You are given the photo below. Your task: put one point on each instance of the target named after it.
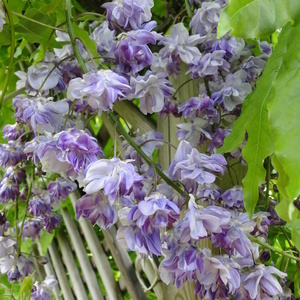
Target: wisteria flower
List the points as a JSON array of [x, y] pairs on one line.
[[233, 197], [13, 132], [11, 154], [41, 114], [96, 209], [43, 291], [100, 89], [180, 43], [152, 90], [2, 16], [128, 14], [206, 18], [114, 176], [260, 282], [235, 90], [180, 264], [132, 53], [217, 270], [78, 148], [60, 188], [188, 163]]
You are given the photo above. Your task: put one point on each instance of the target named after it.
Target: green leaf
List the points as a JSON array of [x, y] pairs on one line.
[[257, 18], [284, 112], [254, 120], [85, 39], [45, 241], [159, 8], [25, 288], [35, 33], [5, 38]]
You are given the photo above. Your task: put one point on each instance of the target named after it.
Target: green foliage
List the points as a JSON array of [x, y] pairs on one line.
[[270, 115], [257, 18], [34, 33], [254, 120], [45, 241], [159, 8], [25, 288]]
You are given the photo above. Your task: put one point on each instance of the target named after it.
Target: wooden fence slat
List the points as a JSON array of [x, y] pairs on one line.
[[99, 256], [86, 267], [49, 271], [60, 272], [78, 286]]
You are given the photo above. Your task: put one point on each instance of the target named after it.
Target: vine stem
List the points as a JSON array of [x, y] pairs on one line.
[[267, 196], [138, 149], [267, 246], [12, 52], [68, 7]]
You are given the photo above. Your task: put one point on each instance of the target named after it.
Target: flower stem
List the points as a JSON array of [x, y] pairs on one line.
[[138, 149], [68, 7], [12, 52], [267, 246]]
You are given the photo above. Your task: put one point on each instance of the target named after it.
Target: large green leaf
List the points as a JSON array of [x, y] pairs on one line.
[[284, 112], [35, 33], [254, 120], [257, 18]]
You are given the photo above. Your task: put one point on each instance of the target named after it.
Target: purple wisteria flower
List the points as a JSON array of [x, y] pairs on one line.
[[51, 222], [67, 152], [233, 197], [60, 189], [152, 90], [41, 114], [219, 279], [132, 53], [180, 43], [189, 164], [97, 210], [209, 64], [203, 220], [180, 264], [100, 89], [78, 148], [38, 73], [260, 283], [32, 228], [253, 66], [11, 154], [195, 132], [9, 190], [39, 206], [43, 291], [232, 46], [114, 176], [233, 236], [145, 221], [235, 90], [128, 14], [104, 38], [13, 132], [7, 246], [199, 106], [205, 19]]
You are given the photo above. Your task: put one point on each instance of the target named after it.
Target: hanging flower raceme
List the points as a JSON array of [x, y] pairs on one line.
[[100, 89], [44, 290], [60, 189]]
